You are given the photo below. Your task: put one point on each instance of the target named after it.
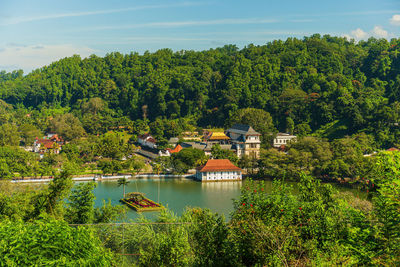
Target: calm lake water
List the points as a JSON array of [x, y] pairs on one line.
[[179, 193]]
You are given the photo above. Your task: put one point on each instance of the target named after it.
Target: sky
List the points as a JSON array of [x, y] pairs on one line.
[[36, 33]]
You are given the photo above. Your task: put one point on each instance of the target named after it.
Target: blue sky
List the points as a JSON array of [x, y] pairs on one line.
[[36, 33]]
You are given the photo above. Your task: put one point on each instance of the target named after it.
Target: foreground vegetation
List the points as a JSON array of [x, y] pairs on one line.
[[317, 226]]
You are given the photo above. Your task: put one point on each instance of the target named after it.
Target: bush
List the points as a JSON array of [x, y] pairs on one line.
[[50, 243]]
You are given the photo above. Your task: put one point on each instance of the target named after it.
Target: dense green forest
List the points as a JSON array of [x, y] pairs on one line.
[[324, 85]]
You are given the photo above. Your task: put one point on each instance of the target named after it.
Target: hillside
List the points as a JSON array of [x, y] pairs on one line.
[[305, 85]]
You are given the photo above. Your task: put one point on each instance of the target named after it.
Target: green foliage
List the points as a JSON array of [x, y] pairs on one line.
[[80, 204], [15, 160], [259, 119], [113, 145], [28, 133], [186, 158], [109, 213], [326, 82], [123, 181], [50, 243], [109, 166], [9, 135], [67, 126], [218, 153], [208, 237], [59, 189]]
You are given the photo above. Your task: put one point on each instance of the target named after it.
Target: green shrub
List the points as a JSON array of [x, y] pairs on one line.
[[50, 243]]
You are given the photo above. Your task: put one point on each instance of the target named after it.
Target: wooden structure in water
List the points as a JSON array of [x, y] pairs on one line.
[[139, 202]]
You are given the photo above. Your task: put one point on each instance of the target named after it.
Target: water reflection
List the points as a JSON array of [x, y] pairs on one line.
[[179, 193]]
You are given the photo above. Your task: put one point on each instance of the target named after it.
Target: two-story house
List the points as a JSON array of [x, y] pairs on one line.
[[147, 140], [245, 139]]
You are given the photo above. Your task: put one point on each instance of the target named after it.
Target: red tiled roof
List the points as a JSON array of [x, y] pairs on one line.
[[151, 140], [48, 145], [144, 136], [213, 165], [392, 149], [43, 141], [175, 150], [148, 138]]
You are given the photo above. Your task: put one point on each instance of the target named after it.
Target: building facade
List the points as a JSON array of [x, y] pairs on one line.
[[283, 139], [147, 140], [51, 143], [218, 170], [245, 140]]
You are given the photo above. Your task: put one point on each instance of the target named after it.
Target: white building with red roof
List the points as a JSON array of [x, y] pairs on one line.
[[147, 140], [51, 143], [219, 170]]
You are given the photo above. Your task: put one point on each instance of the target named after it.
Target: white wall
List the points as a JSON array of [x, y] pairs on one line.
[[219, 176]]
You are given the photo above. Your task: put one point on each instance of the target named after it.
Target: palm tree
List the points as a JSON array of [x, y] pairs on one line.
[[123, 181], [157, 168]]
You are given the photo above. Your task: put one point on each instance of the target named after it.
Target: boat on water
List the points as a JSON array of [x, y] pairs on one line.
[[139, 202]]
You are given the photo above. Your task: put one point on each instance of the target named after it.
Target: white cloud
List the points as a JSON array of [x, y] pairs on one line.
[[359, 34], [18, 20], [395, 20], [37, 56], [379, 32], [177, 24]]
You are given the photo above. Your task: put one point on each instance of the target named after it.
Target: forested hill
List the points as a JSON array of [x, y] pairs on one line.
[[324, 84]]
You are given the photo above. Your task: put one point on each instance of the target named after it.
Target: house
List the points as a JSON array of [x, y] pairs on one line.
[[283, 139], [51, 143], [218, 170], [147, 140], [216, 138], [175, 150], [245, 139], [168, 152]]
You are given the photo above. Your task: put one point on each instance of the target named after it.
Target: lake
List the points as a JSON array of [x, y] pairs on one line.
[[179, 193]]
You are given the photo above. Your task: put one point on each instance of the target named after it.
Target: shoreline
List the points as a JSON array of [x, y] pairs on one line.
[[102, 177]]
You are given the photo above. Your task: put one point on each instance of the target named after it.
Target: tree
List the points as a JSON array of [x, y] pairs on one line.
[[67, 126], [93, 106], [110, 166], [80, 205], [218, 153], [123, 181], [28, 133], [9, 135], [259, 119], [289, 125], [186, 158], [112, 145]]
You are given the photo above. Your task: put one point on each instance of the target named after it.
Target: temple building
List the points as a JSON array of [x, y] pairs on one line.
[[218, 170]]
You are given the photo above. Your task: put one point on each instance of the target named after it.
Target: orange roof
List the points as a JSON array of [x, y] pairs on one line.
[[393, 149], [213, 165], [48, 145], [175, 150]]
